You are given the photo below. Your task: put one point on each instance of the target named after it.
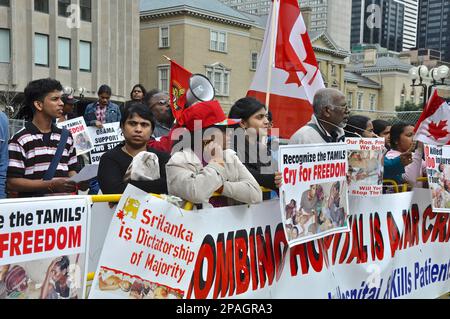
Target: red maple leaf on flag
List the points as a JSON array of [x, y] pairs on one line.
[[438, 131], [120, 215]]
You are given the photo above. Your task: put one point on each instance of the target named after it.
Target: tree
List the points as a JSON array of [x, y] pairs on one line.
[[8, 97]]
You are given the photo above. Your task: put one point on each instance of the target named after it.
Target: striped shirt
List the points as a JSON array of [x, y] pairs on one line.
[[31, 152]]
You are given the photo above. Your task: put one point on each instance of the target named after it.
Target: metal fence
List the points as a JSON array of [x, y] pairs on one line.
[[410, 117], [15, 126]]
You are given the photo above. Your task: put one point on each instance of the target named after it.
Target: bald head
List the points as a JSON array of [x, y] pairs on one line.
[[326, 97]]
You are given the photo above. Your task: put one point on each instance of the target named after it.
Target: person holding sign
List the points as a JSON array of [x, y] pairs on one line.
[[42, 157], [205, 167], [330, 117], [402, 145], [137, 126], [359, 126]]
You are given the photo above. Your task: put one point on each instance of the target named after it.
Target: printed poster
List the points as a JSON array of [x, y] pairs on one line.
[[43, 247], [105, 139], [365, 166], [313, 200], [438, 171], [149, 251], [81, 137]]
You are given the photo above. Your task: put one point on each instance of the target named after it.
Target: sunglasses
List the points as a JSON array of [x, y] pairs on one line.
[[161, 102]]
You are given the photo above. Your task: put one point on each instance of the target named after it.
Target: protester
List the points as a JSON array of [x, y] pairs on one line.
[[137, 125], [34, 170], [383, 129], [359, 126], [402, 142], [137, 95], [103, 111], [249, 145], [205, 166], [4, 138], [159, 104], [330, 117], [68, 109]]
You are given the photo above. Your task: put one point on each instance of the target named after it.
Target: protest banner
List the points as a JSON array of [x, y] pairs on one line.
[[365, 166], [438, 171], [314, 199], [148, 251], [43, 246], [105, 139], [81, 137], [397, 248]]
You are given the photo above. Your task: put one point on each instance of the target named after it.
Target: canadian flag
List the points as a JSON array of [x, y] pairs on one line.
[[295, 77], [179, 85], [433, 126]]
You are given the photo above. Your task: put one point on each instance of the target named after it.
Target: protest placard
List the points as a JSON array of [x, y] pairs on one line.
[[43, 246], [438, 171], [313, 197], [105, 139], [81, 137], [148, 251], [365, 166]]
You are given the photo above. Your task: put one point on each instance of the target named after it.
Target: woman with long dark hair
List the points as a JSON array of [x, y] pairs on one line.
[[249, 142]]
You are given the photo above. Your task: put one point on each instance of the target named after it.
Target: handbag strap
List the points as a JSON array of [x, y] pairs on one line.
[[57, 158]]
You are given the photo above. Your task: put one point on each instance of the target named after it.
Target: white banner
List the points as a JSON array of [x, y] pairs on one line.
[[365, 166], [438, 171], [105, 139], [81, 137], [397, 248], [313, 198], [43, 245]]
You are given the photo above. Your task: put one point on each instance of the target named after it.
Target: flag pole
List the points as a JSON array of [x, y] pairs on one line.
[[166, 57], [272, 52]]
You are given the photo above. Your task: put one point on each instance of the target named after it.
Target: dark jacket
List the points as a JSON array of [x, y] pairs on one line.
[[113, 166]]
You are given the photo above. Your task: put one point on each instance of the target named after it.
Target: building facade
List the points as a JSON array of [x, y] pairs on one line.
[[45, 38], [434, 27], [410, 24], [327, 15], [378, 22]]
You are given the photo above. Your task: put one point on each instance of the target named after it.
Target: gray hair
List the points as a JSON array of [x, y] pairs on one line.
[[324, 97]]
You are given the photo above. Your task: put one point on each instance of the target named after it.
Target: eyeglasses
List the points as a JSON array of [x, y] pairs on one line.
[[345, 107], [161, 102]]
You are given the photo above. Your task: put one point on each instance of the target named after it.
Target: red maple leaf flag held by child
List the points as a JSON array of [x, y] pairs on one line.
[[179, 85], [295, 77], [433, 126]]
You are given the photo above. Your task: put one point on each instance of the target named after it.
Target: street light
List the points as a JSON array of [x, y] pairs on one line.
[[437, 75]]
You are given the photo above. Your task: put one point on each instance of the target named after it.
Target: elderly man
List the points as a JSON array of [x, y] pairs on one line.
[[330, 117], [159, 104]]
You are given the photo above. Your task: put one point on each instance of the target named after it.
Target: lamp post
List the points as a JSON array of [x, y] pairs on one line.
[[437, 75]]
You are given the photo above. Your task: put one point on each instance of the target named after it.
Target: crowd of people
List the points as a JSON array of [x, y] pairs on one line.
[[211, 153]]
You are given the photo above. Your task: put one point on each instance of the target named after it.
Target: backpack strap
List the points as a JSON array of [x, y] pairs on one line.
[[57, 158]]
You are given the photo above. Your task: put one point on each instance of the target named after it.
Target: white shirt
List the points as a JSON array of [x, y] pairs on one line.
[[308, 135]]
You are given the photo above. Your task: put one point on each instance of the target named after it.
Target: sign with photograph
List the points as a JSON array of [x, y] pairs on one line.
[[438, 170], [365, 166], [81, 137], [43, 247], [313, 197]]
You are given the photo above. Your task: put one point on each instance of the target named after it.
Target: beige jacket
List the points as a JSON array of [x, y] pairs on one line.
[[189, 180]]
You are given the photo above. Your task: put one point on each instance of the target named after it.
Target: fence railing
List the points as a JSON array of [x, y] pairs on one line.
[[410, 117]]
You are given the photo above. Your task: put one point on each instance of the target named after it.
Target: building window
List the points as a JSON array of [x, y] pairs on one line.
[[86, 9], [41, 49], [5, 46], [373, 102], [333, 70], [350, 99], [64, 53], [220, 78], [164, 39], [4, 3], [360, 102], [163, 78], [85, 56], [254, 62], [62, 7], [218, 41], [41, 6]]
